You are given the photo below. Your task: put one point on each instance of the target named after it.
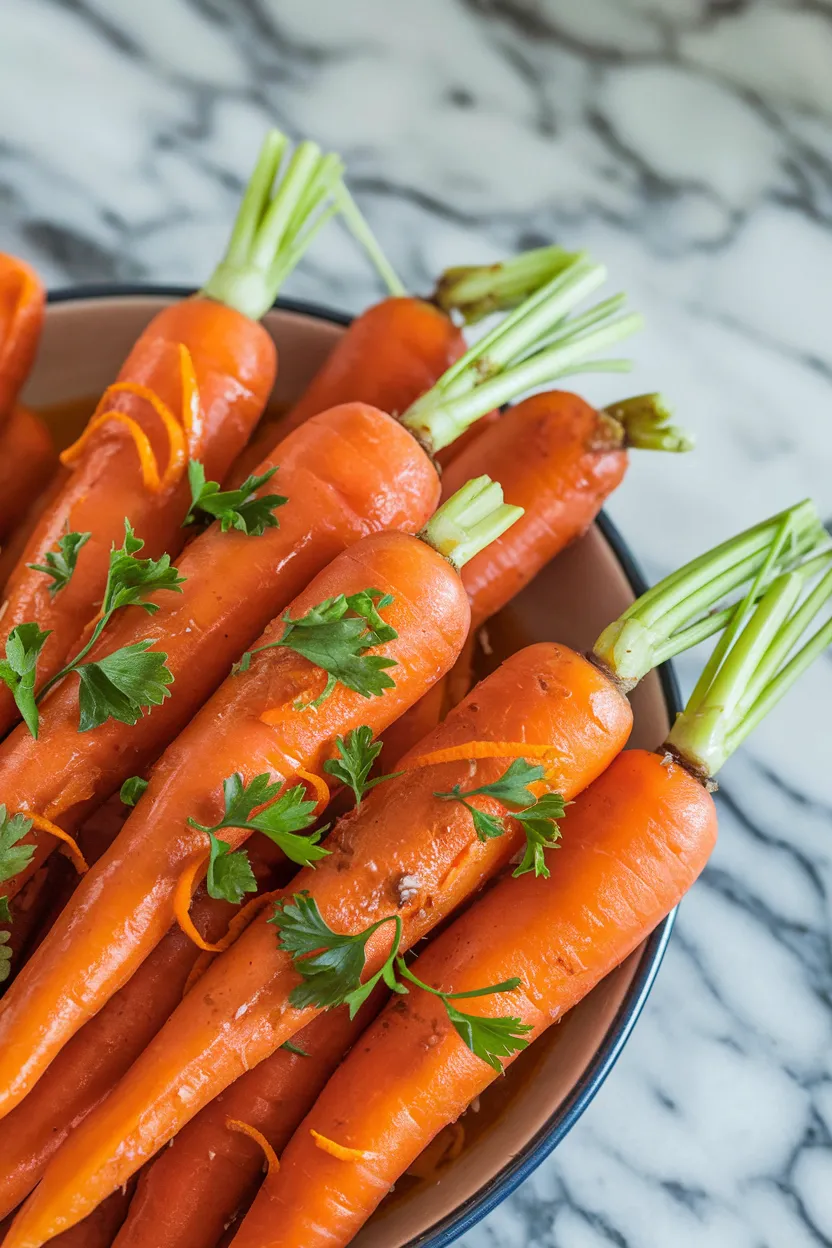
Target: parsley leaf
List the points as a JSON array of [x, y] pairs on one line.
[[239, 509], [489, 1038], [230, 875], [336, 635], [5, 912], [538, 820], [122, 685], [19, 670], [330, 965], [5, 957], [294, 1048], [130, 580], [132, 789], [60, 564], [13, 856], [357, 753], [278, 819]]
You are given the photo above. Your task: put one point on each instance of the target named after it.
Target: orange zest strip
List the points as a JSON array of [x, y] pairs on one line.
[[178, 456], [149, 466], [245, 1128], [339, 1151], [182, 905], [73, 852], [238, 924], [191, 410], [319, 787], [181, 441]]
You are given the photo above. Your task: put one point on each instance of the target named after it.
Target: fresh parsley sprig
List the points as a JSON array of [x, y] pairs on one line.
[[14, 856], [335, 636], [120, 686], [256, 807], [132, 789], [60, 563], [240, 509], [357, 753], [331, 963], [19, 669], [538, 817]]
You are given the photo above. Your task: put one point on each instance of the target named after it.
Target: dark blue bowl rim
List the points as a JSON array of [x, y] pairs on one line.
[[567, 1114]]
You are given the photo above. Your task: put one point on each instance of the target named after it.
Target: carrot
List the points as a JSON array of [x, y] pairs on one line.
[[396, 350], [193, 1189], [194, 385], [404, 851], [634, 842], [22, 301], [100, 1229], [27, 461], [253, 725], [98, 1055], [351, 463]]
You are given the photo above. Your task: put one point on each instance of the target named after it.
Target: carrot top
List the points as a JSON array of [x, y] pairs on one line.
[[477, 290], [680, 611], [531, 346]]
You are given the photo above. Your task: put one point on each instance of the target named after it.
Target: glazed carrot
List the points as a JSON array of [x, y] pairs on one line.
[[574, 458], [634, 842], [351, 460], [193, 386], [254, 726], [192, 1190], [392, 353], [27, 461], [22, 300], [404, 854], [100, 1229], [95, 1059]]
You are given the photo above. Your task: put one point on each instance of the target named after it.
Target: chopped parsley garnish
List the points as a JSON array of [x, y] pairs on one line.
[[132, 789], [356, 754], [60, 563]]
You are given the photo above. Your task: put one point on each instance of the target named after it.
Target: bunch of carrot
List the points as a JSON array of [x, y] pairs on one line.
[[324, 600]]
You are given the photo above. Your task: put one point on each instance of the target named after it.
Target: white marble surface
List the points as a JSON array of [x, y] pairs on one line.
[[689, 145]]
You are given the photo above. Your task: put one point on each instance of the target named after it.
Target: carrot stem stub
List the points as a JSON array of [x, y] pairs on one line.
[[476, 290]]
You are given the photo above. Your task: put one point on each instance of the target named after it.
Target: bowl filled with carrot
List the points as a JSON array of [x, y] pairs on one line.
[[346, 796]]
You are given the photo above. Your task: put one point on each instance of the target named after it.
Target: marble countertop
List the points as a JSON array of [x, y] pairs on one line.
[[688, 144]]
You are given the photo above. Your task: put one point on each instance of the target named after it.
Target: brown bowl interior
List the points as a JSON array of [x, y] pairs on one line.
[[84, 343]]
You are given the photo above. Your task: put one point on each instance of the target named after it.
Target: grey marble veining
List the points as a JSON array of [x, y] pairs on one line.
[[689, 144]]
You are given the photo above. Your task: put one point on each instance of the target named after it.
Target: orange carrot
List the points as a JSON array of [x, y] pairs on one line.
[[413, 850], [193, 1189], [401, 850], [193, 386], [100, 1229], [633, 843], [22, 300], [252, 725], [27, 461]]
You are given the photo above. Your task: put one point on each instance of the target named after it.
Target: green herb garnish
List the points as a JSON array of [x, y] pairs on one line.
[[240, 509]]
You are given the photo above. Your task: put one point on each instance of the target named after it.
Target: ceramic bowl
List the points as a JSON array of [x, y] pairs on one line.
[[88, 333]]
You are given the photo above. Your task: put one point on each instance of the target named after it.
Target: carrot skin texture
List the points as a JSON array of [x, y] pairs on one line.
[[336, 474], [238, 1014], [124, 905], [22, 305], [187, 1196], [235, 363], [93, 1061], [633, 844], [27, 461], [100, 1228], [554, 456]]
